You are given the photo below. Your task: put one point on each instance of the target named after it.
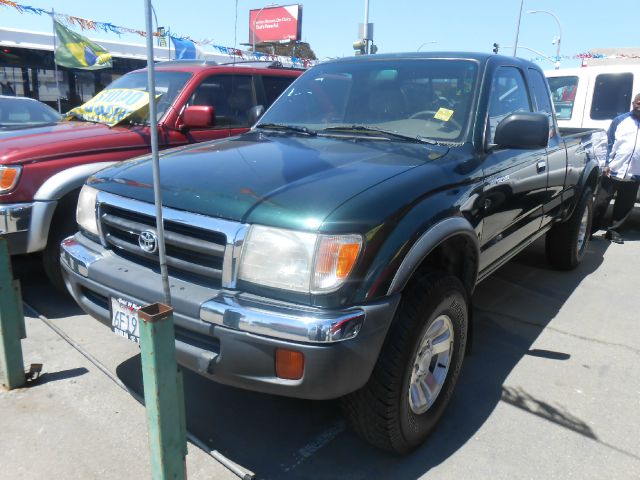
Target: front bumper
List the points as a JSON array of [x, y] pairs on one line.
[[232, 337], [14, 223], [26, 225]]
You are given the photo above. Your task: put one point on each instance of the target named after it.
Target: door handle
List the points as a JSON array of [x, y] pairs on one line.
[[541, 166]]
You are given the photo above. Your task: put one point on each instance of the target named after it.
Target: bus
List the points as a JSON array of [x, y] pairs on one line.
[[27, 68]]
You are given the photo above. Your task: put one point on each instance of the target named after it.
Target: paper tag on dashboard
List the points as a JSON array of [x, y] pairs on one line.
[[443, 114]]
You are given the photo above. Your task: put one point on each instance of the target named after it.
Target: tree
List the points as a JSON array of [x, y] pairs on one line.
[[291, 49]]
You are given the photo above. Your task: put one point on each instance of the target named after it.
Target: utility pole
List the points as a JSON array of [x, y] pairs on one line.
[[515, 45]]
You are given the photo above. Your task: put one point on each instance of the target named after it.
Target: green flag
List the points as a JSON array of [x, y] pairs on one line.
[[76, 51]]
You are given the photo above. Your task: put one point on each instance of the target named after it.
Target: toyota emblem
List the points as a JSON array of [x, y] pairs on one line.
[[148, 241]]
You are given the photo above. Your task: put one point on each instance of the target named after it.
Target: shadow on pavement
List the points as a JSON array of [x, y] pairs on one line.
[[47, 377], [50, 302], [285, 438]]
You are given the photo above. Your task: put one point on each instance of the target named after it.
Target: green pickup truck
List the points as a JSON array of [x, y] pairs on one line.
[[333, 250]]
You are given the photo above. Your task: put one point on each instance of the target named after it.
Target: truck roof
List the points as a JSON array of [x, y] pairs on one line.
[[196, 66], [477, 56]]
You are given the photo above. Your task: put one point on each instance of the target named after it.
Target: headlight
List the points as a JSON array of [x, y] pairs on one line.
[[298, 261], [86, 210], [9, 177]]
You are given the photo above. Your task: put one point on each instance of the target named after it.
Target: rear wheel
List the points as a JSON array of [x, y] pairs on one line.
[[417, 369], [567, 242]]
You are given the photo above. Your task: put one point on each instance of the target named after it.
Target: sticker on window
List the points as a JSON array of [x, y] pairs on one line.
[[443, 114], [113, 105]]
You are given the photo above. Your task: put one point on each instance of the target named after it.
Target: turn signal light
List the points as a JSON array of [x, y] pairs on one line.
[[8, 178], [335, 258], [347, 255], [289, 364]]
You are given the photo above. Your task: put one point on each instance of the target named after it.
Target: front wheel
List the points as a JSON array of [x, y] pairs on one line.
[[417, 369], [63, 225], [566, 242]]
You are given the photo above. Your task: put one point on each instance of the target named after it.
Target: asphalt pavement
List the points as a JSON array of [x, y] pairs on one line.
[[550, 391]]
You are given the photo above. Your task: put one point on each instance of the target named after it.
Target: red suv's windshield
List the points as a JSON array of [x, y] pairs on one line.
[[168, 86]]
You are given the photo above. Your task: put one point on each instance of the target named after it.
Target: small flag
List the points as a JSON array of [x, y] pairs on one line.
[[185, 49], [76, 51]]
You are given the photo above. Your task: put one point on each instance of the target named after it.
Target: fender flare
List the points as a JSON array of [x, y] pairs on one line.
[[57, 186], [427, 242], [47, 196]]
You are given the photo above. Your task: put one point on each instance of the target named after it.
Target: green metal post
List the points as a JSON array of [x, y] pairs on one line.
[[163, 393], [12, 328]]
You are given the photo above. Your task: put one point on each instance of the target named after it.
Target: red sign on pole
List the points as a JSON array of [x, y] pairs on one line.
[[273, 24]]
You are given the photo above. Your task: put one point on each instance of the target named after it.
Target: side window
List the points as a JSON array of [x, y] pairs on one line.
[[508, 95], [611, 95], [541, 96], [230, 95], [563, 93], [274, 86]]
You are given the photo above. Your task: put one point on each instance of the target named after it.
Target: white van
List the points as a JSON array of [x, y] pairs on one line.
[[590, 97]]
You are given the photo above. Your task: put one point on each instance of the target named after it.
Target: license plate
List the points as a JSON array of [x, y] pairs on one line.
[[124, 319]]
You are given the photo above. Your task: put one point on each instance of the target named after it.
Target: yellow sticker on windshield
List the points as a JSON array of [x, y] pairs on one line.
[[112, 106], [443, 114]]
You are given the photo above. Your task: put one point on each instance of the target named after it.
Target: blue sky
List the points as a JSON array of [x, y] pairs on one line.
[[331, 26]]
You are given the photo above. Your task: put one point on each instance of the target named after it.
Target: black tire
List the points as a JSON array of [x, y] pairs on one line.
[[381, 412], [567, 242], [63, 224]]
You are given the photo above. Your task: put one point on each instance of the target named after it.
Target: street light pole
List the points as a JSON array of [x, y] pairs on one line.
[[365, 33], [515, 45], [537, 52], [425, 43], [557, 64], [255, 22]]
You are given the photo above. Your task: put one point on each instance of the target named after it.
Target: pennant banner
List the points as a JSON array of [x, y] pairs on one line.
[[106, 27], [185, 49], [76, 51]]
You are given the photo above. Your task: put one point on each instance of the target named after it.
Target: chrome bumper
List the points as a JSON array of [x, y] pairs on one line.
[[26, 225], [78, 257], [289, 322], [284, 323], [15, 217]]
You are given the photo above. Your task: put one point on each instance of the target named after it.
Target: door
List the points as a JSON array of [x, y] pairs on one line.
[[515, 179], [556, 151]]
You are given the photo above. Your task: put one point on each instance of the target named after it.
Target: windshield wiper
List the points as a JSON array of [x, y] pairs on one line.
[[365, 129], [289, 128]]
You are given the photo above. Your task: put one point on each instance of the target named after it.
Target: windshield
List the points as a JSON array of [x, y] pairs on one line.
[[19, 112], [168, 86], [417, 98]]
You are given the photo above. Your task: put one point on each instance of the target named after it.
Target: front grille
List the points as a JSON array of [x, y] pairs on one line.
[[193, 252]]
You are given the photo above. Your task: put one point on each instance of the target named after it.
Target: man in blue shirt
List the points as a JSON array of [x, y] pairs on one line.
[[621, 174]]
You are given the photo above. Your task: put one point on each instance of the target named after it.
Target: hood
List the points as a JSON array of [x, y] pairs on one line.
[[273, 179], [66, 138]]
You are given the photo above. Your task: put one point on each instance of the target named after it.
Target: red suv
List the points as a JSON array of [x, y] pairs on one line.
[[42, 169]]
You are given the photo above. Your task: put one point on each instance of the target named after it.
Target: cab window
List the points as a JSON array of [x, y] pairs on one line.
[[541, 97], [230, 95], [508, 95], [274, 86]]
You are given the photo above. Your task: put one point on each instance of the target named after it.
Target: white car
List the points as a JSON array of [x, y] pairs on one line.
[[23, 112]]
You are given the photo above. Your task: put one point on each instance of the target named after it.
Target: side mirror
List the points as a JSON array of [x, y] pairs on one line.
[[198, 116], [526, 130], [254, 114]]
